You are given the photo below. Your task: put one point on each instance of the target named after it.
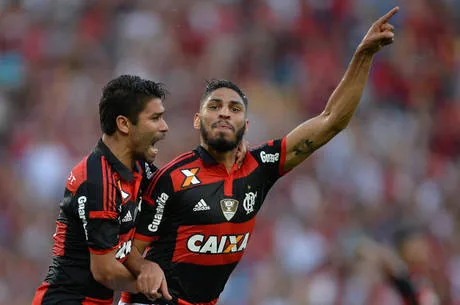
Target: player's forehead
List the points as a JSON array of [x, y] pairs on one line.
[[224, 95], [152, 107]]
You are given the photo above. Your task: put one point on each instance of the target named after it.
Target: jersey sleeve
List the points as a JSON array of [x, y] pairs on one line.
[[159, 192], [271, 157], [98, 208]]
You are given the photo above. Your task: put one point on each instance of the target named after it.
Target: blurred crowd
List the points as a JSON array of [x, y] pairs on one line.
[[396, 166]]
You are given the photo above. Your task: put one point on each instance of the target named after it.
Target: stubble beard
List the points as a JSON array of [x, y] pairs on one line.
[[219, 143]]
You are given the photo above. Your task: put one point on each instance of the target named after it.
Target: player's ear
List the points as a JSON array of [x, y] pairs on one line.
[[123, 124], [246, 127], [196, 121]]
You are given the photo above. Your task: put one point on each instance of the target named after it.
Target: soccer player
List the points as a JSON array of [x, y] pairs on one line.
[[95, 225], [199, 211]]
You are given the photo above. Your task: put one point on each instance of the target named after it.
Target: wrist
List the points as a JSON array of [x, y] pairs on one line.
[[135, 264], [363, 52], [146, 264]]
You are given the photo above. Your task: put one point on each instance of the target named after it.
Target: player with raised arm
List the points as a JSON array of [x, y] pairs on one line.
[[199, 211]]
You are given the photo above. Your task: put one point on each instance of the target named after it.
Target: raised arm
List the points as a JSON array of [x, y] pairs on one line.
[[314, 133]]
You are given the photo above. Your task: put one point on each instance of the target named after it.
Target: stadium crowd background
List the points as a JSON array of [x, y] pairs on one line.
[[396, 165]]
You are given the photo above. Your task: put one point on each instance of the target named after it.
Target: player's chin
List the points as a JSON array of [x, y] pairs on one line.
[[225, 141]]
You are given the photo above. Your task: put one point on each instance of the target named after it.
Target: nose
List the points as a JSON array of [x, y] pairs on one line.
[[164, 127], [224, 113]]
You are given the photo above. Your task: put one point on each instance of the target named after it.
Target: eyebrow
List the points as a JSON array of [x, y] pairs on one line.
[[157, 114], [215, 99]]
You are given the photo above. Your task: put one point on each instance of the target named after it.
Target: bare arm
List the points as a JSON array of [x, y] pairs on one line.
[[151, 280], [108, 271], [314, 133], [135, 260]]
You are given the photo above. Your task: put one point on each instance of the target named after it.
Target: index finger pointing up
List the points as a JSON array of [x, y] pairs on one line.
[[387, 16]]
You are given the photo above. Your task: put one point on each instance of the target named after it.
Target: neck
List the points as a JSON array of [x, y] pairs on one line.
[[120, 149], [226, 158]]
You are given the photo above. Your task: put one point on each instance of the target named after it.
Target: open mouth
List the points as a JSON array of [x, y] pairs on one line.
[[152, 151]]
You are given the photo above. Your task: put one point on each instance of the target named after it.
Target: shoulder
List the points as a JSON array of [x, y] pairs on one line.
[[268, 152], [163, 174], [78, 175], [93, 170], [181, 160], [97, 168]]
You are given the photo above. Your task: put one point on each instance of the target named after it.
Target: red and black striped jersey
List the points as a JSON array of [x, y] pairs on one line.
[[97, 215], [200, 218]]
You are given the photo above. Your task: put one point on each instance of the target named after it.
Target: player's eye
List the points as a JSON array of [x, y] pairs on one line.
[[212, 107], [236, 109]]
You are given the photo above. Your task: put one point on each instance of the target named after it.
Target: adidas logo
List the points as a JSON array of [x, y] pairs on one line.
[[127, 217], [201, 206]]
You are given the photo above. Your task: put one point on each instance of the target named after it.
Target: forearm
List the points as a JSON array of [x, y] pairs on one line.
[[134, 262], [150, 277], [111, 273], [346, 97], [316, 132], [117, 277]]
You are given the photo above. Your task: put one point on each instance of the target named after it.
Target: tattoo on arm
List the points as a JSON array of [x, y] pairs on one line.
[[304, 148]]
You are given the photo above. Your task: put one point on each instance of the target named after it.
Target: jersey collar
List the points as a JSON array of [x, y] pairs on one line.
[[124, 172]]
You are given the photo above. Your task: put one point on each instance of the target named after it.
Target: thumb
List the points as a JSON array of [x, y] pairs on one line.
[[164, 290]]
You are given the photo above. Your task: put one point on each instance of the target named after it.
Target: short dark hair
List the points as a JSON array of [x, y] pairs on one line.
[[126, 95], [214, 84]]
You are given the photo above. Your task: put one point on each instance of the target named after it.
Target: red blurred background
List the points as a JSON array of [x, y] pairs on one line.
[[396, 166]]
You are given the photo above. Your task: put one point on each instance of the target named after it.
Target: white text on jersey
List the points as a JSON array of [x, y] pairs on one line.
[[160, 206], [81, 213], [214, 244], [269, 158]]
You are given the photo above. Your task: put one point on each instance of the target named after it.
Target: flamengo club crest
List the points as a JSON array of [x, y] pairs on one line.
[[249, 202], [229, 207]]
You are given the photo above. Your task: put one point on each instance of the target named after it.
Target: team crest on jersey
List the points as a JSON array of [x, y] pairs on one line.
[[249, 202], [190, 177], [229, 207], [124, 194]]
